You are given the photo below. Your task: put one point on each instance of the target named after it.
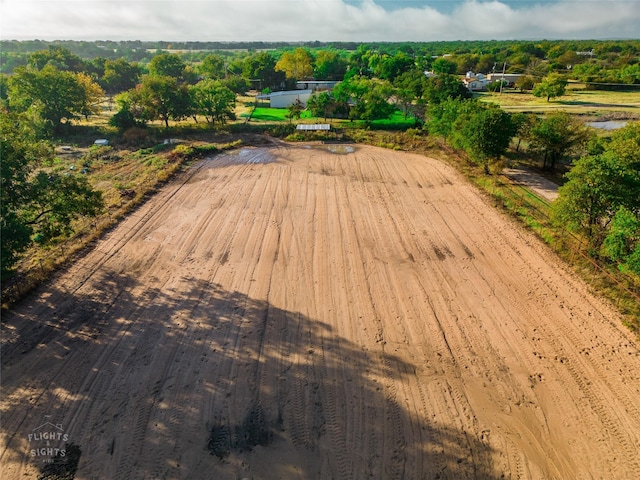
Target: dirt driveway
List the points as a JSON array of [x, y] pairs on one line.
[[319, 313]]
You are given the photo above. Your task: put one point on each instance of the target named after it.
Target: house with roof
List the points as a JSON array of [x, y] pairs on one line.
[[475, 82]]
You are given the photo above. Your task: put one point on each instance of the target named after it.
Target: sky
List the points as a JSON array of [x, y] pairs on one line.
[[322, 20]]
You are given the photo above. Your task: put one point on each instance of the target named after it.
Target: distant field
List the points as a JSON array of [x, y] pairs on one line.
[[575, 101]]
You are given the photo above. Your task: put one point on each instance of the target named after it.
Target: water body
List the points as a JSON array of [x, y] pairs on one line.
[[334, 148], [608, 125]]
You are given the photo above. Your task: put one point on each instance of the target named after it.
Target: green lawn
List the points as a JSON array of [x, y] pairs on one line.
[[265, 114], [396, 120]]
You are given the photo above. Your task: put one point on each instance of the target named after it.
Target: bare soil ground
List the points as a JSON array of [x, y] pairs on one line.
[[301, 313]]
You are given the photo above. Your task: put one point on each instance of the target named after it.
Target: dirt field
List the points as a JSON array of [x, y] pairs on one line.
[[302, 313]]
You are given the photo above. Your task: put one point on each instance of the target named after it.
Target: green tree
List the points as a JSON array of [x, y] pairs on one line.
[[359, 63], [261, 67], [167, 65], [213, 100], [465, 62], [370, 98], [486, 134], [329, 65], [160, 97], [524, 82], [295, 110], [443, 66], [486, 63], [297, 65], [444, 115], [552, 86], [319, 104], [410, 91], [524, 123], [325, 104], [236, 84], [57, 95], [35, 204], [124, 119], [391, 67], [557, 136], [622, 243], [120, 75], [444, 87], [213, 66], [599, 186], [625, 145], [95, 68], [93, 95], [4, 90], [58, 57]]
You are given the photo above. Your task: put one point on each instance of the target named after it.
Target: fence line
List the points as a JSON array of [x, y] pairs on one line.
[[559, 234]]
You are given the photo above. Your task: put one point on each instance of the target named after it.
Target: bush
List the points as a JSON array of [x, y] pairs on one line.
[[205, 149], [282, 130], [181, 152], [296, 137], [123, 120], [135, 135], [415, 132]]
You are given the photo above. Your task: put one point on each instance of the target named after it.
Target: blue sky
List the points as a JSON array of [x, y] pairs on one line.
[[323, 20]]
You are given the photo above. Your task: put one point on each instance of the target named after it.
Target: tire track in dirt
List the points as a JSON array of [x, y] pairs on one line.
[[105, 368], [314, 315], [525, 313], [564, 347]]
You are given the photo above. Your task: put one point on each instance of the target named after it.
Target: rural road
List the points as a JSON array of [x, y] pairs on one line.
[[306, 312], [541, 186]]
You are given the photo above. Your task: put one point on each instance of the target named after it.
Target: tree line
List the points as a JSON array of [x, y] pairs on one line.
[[595, 61]]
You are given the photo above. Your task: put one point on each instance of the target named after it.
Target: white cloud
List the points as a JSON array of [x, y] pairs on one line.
[[325, 20]]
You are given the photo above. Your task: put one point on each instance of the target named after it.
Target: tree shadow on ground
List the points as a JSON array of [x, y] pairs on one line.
[[196, 381]]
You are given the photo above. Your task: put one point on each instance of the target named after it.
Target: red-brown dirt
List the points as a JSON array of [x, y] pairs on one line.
[[303, 313]]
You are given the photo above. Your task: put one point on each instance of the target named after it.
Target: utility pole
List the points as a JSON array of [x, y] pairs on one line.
[[504, 67]]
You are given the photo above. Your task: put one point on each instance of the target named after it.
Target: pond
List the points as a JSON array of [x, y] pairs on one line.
[[340, 149], [608, 125]]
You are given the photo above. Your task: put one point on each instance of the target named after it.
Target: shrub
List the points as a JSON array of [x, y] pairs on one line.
[[205, 149], [123, 120], [135, 135], [282, 130], [181, 152]]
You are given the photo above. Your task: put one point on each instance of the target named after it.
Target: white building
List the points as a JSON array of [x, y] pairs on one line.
[[475, 82], [286, 98]]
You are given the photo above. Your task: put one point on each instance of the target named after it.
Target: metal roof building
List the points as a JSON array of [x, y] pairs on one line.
[[286, 98]]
